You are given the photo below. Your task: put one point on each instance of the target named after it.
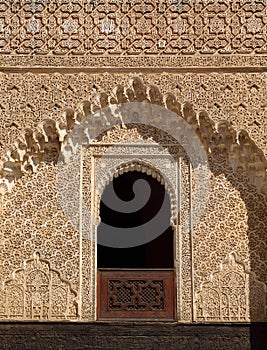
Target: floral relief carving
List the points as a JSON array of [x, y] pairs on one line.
[[229, 296], [215, 218], [227, 111], [45, 144], [37, 292]]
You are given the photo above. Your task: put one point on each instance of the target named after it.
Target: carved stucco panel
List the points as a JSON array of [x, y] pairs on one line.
[[26, 99], [236, 214], [230, 295], [37, 292], [32, 221], [125, 28]]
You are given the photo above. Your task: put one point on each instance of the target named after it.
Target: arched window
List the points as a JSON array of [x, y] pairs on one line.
[[136, 281]]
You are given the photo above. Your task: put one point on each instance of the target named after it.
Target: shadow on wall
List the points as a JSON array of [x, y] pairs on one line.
[[254, 284], [228, 147]]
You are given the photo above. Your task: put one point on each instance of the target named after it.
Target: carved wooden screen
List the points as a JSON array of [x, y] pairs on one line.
[[136, 294]]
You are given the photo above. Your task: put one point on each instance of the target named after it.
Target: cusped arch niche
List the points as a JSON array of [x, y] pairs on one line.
[[235, 150], [146, 168], [38, 292], [232, 294]]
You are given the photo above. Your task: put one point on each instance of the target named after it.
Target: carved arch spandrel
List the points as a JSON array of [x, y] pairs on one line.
[[222, 143], [233, 294], [44, 144], [37, 292]]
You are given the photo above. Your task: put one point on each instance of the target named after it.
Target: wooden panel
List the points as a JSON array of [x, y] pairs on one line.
[[136, 294]]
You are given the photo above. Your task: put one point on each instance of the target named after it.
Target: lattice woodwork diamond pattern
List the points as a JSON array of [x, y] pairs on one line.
[[134, 294]]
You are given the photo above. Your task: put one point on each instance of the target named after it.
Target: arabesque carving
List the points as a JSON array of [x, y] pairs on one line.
[[37, 292], [233, 152], [44, 144], [233, 294], [85, 56], [137, 27]]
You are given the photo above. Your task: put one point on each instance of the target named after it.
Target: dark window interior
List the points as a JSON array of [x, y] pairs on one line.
[[157, 253]]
